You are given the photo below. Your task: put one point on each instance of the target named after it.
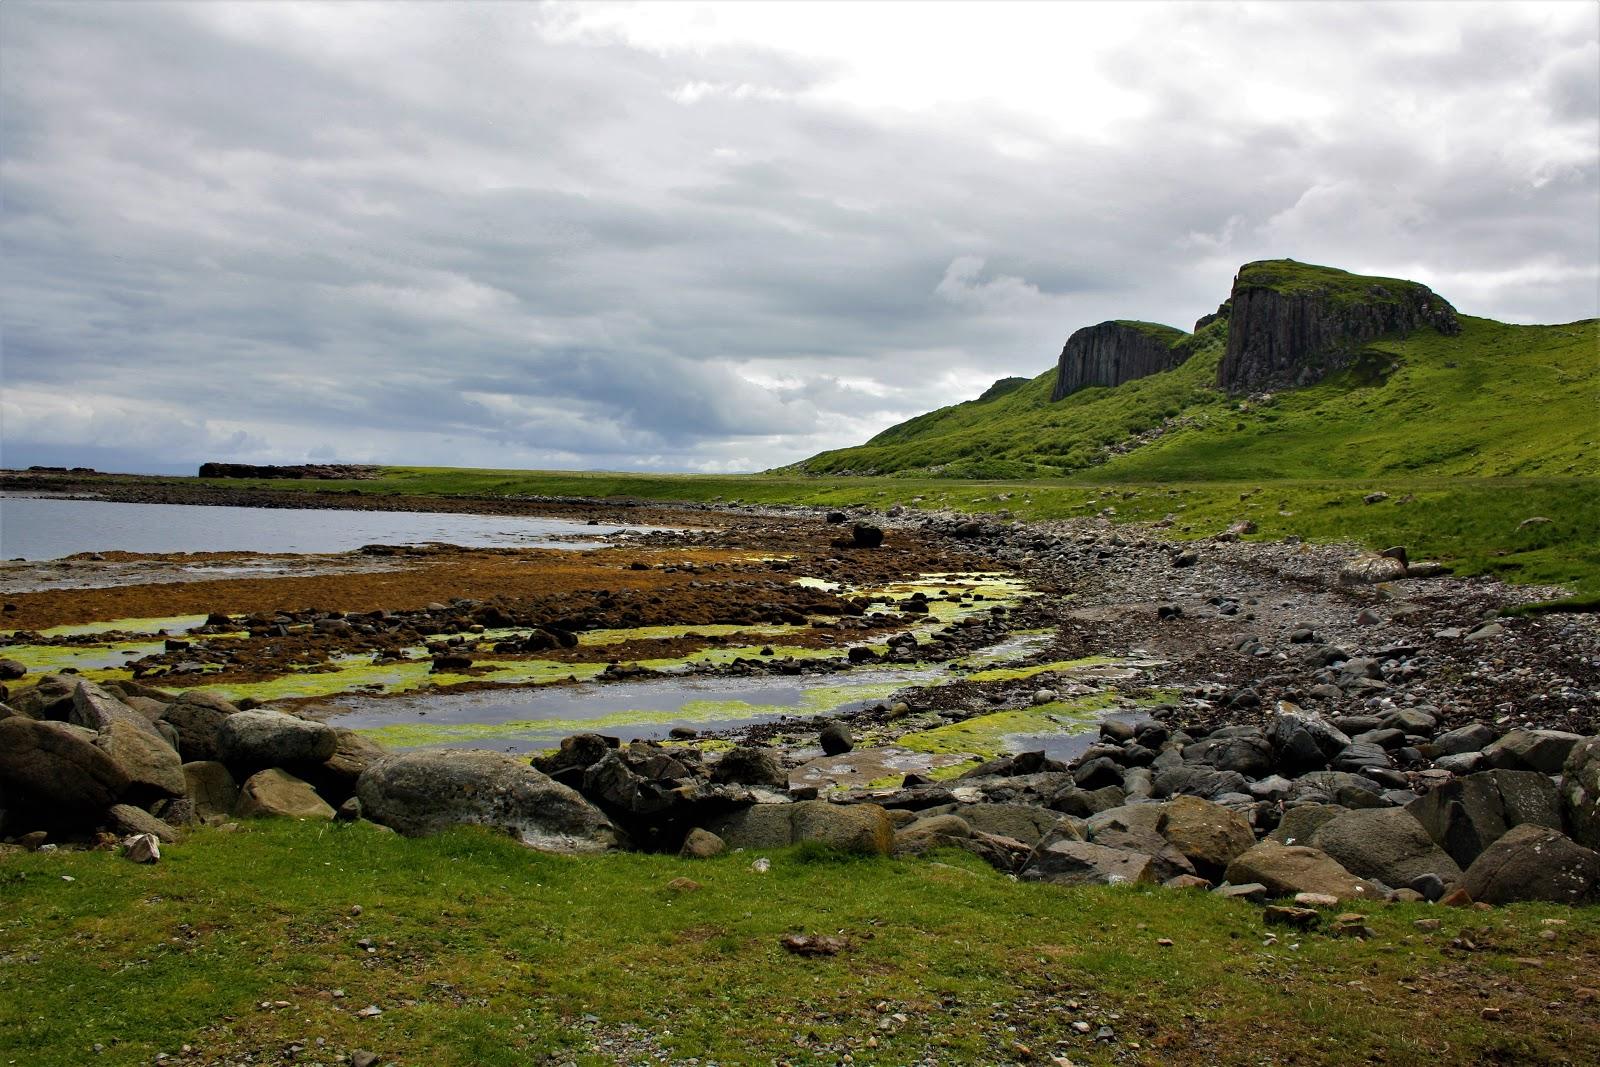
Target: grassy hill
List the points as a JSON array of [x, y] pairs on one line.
[[1494, 400]]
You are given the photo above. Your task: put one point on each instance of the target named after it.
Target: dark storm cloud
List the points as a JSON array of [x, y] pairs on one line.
[[496, 236]]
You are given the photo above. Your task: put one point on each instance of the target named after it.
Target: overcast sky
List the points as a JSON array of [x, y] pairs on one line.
[[696, 237]]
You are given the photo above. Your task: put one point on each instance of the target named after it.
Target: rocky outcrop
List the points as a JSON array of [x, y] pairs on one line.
[[1292, 324], [319, 471], [1116, 352]]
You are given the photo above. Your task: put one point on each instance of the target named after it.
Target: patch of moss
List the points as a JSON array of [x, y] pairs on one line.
[[985, 735], [1013, 674]]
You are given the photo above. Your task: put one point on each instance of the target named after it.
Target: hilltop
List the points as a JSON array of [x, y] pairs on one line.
[[1303, 372]]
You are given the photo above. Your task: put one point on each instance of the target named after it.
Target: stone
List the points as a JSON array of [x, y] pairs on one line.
[[702, 844], [1305, 742], [1580, 793], [51, 770], [265, 738], [418, 793], [276, 792], [1357, 756], [1114, 352], [1301, 821], [866, 535], [1020, 822], [750, 765], [211, 787], [95, 709], [1169, 863], [1208, 835], [836, 739], [862, 828], [1474, 737], [1289, 869], [142, 848], [125, 819], [1066, 862], [1197, 781], [197, 716], [349, 810], [1250, 756], [1531, 862], [1544, 751], [1297, 917], [11, 670], [1371, 569], [1467, 815], [1386, 845], [153, 767]]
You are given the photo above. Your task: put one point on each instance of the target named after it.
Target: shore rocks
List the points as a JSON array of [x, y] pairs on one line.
[[849, 828], [1061, 860], [1209, 835], [277, 792], [427, 792], [56, 769], [1467, 815], [1544, 751], [1532, 862], [1580, 793], [264, 738], [1387, 845], [750, 765], [1289, 869], [153, 767], [210, 788]]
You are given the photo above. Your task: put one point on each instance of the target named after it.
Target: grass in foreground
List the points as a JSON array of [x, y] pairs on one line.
[[485, 953]]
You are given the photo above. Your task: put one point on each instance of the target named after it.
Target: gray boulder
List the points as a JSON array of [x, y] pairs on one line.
[[1249, 755], [1474, 737], [836, 739], [1289, 869], [1544, 751], [863, 828], [197, 717], [1062, 861], [1580, 793], [1020, 822], [1197, 781], [126, 820], [95, 709], [1387, 845], [1209, 835], [211, 788], [1305, 742], [1169, 862], [1301, 821], [419, 793], [265, 738], [750, 765], [50, 770], [1532, 862], [1467, 815], [278, 793], [153, 767]]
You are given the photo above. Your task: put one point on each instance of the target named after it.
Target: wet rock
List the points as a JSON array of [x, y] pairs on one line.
[[419, 793], [1203, 782], [1532, 862], [836, 739], [1289, 869], [1305, 742], [53, 770], [1249, 755], [11, 670], [276, 792], [1387, 845], [263, 738]]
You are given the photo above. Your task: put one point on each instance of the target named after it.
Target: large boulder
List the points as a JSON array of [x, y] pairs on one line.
[[128, 820], [50, 770], [1580, 793], [1168, 861], [1298, 823], [1466, 815], [1209, 835], [1289, 869], [1544, 751], [211, 788], [1305, 742], [1531, 862], [153, 767], [95, 709], [847, 827], [750, 765], [421, 793], [1063, 861], [1387, 845], [277, 792], [1020, 822], [266, 738], [197, 717], [1247, 754], [1197, 781]]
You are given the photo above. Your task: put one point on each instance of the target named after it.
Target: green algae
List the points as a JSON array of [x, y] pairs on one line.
[[132, 626], [668, 633], [985, 735], [1013, 674]]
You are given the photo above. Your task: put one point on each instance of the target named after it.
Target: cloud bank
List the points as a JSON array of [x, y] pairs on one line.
[[675, 237]]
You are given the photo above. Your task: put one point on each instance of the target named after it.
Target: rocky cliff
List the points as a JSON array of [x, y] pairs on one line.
[[1116, 352], [1292, 324]]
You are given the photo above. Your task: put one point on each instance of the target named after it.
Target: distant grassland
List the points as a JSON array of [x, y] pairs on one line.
[[1474, 524]]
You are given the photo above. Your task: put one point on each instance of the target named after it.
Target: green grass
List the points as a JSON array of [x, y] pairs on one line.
[[489, 954], [1337, 286]]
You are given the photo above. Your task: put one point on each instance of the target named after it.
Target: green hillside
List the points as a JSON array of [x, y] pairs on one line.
[[1494, 400]]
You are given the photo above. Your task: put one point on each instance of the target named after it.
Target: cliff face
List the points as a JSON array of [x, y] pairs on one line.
[[1115, 352], [1291, 324]]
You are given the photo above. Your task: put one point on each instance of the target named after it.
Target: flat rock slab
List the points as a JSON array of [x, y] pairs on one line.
[[860, 768]]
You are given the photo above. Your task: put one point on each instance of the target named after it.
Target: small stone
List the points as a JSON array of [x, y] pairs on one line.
[[363, 1058], [1429, 925], [371, 1011], [142, 848], [1316, 900]]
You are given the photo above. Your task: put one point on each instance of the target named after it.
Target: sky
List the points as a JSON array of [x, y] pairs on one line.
[[701, 237]]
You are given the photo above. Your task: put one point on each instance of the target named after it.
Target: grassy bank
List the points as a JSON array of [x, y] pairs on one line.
[[1475, 524], [485, 953]]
